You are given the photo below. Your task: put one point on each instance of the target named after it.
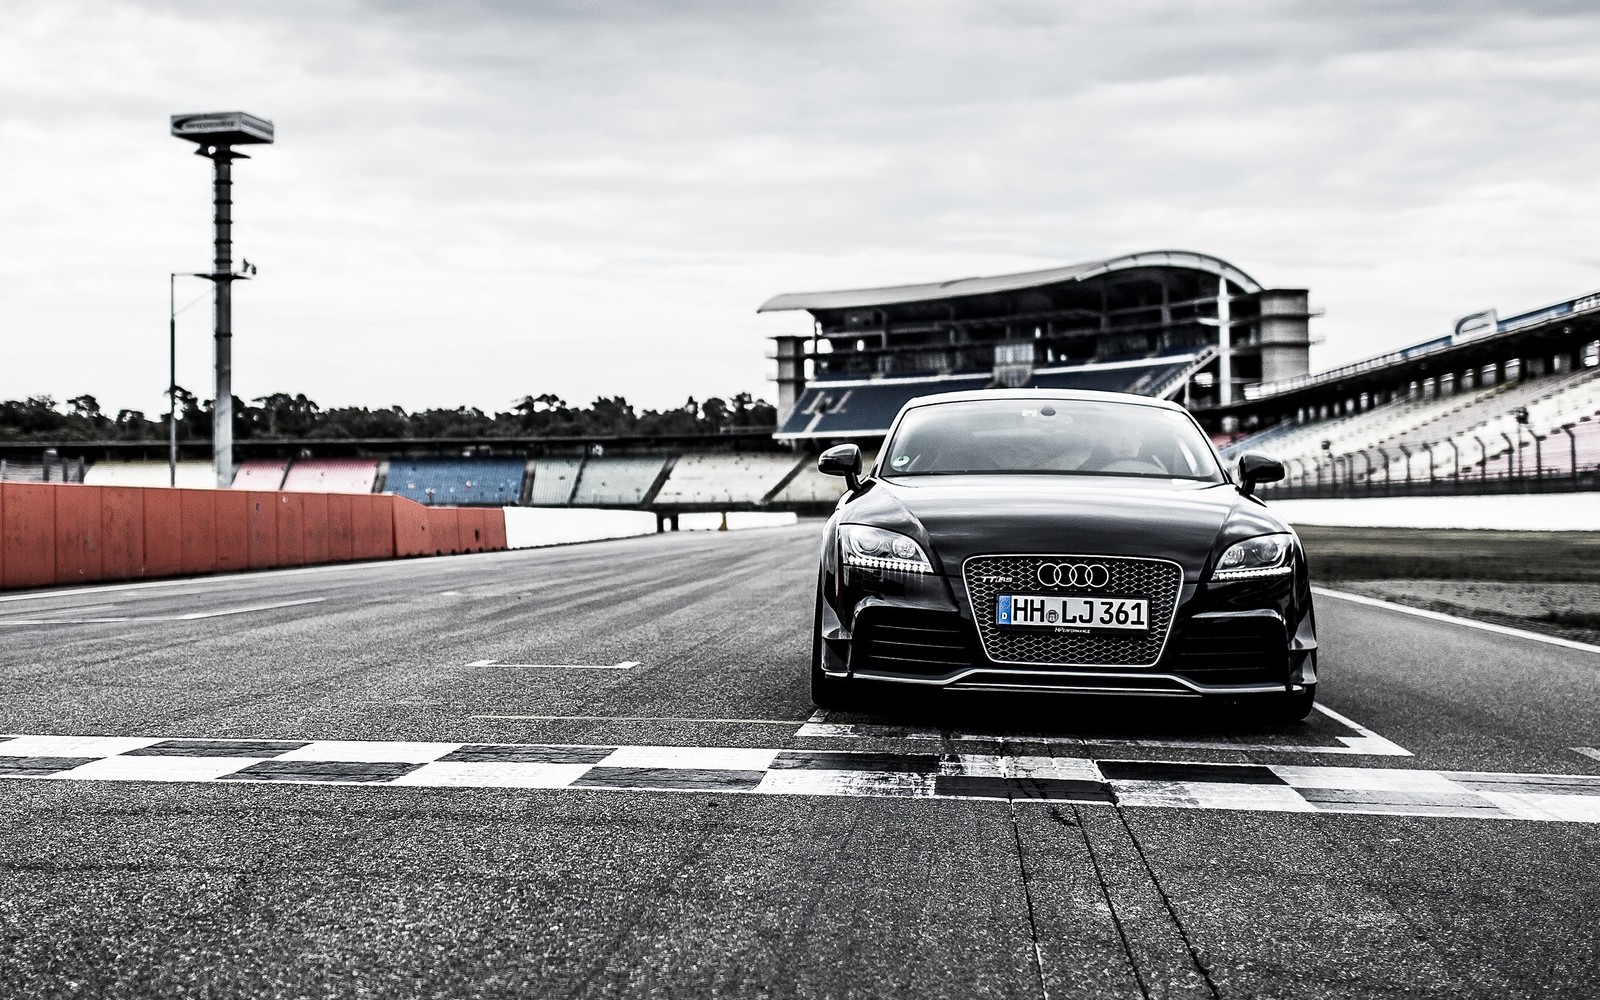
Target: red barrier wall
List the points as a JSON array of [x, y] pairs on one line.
[[291, 530], [233, 530], [444, 531], [62, 533], [121, 533], [497, 530], [27, 534], [480, 528], [410, 529], [261, 521], [163, 533], [314, 516], [77, 534], [341, 528], [199, 518], [372, 527], [468, 530]]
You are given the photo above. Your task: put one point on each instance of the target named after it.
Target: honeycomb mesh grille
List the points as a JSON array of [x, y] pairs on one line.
[[1156, 580]]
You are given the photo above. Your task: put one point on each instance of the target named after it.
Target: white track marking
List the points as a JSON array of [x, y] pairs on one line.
[[1365, 743], [468, 774], [698, 758], [996, 766], [624, 665], [1454, 620], [1589, 752], [629, 718], [1211, 795], [73, 746], [1368, 742], [367, 750], [192, 616], [159, 768], [993, 778], [890, 784], [197, 615], [1366, 779], [1535, 806]]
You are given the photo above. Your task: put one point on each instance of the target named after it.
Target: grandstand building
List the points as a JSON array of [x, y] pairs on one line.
[[1496, 405], [1168, 323]]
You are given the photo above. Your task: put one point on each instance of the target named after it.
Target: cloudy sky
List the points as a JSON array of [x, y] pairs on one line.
[[471, 202]]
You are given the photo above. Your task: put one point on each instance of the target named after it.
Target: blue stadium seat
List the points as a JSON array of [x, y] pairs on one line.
[[457, 481]]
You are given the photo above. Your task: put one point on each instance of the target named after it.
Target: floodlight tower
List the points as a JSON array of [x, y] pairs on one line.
[[216, 134]]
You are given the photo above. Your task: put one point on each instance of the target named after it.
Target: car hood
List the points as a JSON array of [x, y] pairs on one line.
[[960, 516]]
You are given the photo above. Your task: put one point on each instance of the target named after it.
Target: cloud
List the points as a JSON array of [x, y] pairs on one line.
[[472, 202]]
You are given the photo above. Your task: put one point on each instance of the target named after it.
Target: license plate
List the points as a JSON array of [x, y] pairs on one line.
[[1079, 612]]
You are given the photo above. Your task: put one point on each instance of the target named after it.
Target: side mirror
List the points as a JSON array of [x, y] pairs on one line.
[[1256, 468], [842, 460]]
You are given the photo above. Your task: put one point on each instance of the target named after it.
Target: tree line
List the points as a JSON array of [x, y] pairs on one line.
[[281, 415]]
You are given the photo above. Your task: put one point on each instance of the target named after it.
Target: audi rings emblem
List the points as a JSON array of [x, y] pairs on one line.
[[1092, 575]]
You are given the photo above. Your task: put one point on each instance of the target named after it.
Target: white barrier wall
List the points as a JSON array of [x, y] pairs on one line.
[[1512, 512]]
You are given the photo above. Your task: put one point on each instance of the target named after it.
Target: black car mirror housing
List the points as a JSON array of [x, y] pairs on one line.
[[1255, 469], [842, 460]]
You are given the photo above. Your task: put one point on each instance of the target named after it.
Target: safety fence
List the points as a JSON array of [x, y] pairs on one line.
[[53, 533]]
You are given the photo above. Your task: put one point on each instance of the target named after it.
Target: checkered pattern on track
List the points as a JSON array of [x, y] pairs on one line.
[[1132, 783]]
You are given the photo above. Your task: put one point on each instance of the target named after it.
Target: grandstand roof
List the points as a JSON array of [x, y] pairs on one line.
[[959, 287]]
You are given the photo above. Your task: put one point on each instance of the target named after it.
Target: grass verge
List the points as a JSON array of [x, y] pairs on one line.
[[1451, 554]]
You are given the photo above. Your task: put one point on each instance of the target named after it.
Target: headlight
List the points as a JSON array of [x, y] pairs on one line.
[[874, 548], [1266, 555]]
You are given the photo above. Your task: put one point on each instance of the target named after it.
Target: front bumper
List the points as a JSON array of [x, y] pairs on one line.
[[1253, 637]]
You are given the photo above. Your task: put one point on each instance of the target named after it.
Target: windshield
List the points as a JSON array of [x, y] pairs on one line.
[[1051, 437]]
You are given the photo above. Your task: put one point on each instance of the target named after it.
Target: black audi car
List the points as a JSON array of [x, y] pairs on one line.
[[1033, 541]]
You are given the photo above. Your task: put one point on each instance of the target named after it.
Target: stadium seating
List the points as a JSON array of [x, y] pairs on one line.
[[57, 470], [1112, 378], [260, 474], [1380, 438], [735, 478], [1557, 454], [850, 407], [15, 471], [615, 481], [811, 486], [332, 475], [191, 475], [1550, 403], [553, 481], [457, 481], [1300, 446]]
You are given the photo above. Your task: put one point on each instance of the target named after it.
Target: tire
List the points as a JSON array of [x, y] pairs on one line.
[[826, 692]]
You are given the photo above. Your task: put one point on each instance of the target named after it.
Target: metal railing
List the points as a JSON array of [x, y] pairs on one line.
[[1529, 463]]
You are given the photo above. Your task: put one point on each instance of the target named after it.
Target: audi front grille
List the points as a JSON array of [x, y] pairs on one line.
[[1158, 581]]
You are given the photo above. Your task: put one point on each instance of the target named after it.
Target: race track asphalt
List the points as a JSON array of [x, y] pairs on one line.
[[640, 887]]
